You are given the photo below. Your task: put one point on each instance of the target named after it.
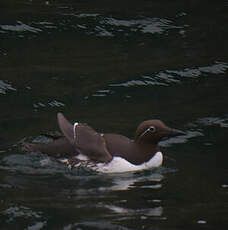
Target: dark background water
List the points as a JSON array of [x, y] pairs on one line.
[[113, 64]]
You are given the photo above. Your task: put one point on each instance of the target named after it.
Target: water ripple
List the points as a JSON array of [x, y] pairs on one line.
[[181, 139], [93, 24], [20, 27], [85, 15], [163, 78], [95, 225], [217, 68], [211, 121], [5, 86], [31, 164], [21, 211], [46, 25], [145, 25], [33, 219], [53, 103], [167, 77], [154, 212]]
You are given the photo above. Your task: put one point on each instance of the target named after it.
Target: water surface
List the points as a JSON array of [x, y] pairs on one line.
[[113, 64]]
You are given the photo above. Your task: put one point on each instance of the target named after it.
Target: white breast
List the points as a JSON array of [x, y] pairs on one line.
[[120, 165]]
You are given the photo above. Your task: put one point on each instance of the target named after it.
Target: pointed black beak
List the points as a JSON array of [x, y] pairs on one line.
[[169, 132], [175, 132]]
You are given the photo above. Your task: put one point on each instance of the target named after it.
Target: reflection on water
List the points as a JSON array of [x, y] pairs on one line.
[[80, 190], [95, 225], [128, 182]]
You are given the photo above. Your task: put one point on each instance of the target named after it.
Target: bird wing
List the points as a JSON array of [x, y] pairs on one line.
[[85, 140]]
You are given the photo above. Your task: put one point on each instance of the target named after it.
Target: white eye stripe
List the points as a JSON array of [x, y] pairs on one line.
[[150, 129]]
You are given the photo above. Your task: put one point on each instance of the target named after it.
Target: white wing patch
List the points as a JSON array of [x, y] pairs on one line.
[[74, 129]]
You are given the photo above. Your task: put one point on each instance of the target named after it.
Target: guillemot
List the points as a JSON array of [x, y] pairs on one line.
[[81, 145]]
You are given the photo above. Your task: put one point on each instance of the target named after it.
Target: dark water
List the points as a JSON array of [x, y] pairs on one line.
[[113, 64]]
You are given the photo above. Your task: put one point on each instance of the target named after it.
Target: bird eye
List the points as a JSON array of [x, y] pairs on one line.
[[152, 129]]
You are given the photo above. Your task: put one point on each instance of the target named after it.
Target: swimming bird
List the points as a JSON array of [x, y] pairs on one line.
[[81, 145]]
